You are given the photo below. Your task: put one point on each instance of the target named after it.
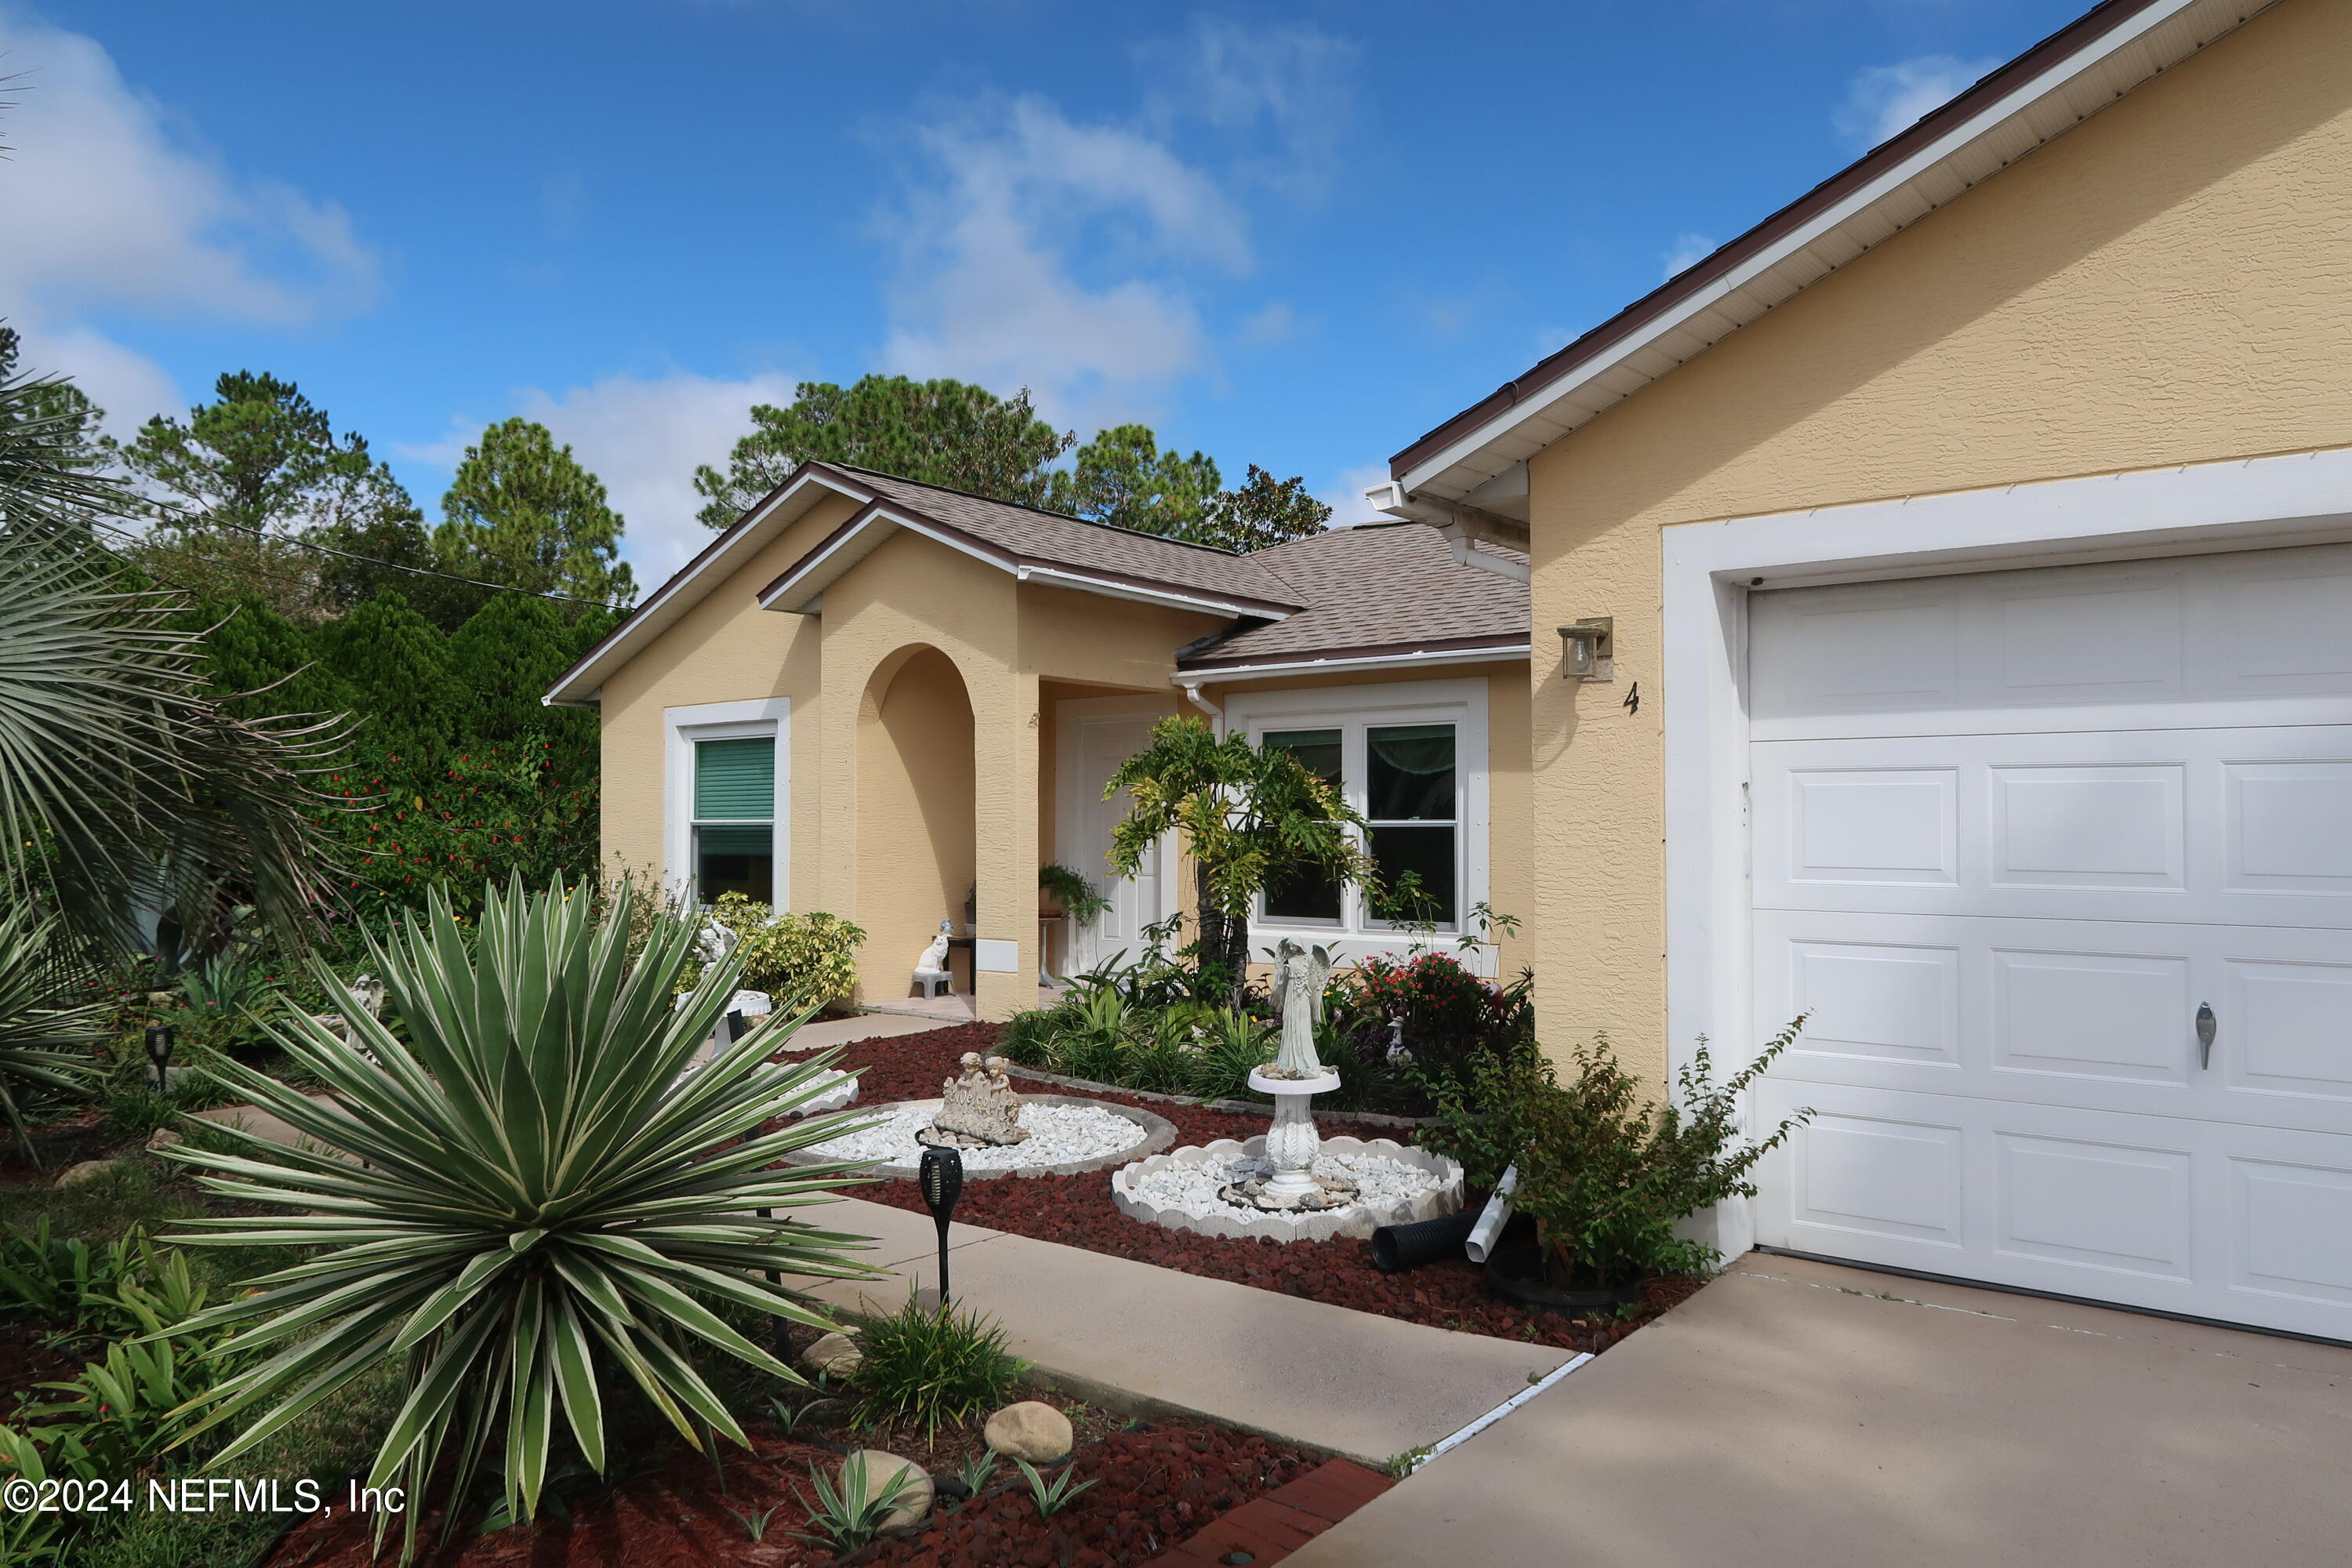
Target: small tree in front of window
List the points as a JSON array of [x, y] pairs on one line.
[[1251, 818]]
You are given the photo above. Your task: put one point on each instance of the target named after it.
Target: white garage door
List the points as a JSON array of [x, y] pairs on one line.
[[2013, 831]]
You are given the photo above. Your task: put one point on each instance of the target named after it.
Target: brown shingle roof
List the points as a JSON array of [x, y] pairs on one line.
[[1034, 537], [1380, 588]]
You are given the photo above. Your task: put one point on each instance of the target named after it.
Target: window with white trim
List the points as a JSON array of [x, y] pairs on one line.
[[726, 823], [734, 824], [1411, 759]]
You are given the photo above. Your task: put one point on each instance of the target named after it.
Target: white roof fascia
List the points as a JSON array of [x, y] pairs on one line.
[[673, 598], [1471, 460], [799, 584], [1195, 678]]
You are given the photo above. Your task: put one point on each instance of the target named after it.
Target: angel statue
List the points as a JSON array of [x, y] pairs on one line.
[[1300, 974]]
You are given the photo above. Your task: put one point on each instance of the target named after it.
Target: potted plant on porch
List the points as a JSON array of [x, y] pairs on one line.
[[1605, 1172]]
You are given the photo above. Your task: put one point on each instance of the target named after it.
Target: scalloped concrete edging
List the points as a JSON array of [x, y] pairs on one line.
[[1232, 1107], [1159, 1133], [1356, 1220]]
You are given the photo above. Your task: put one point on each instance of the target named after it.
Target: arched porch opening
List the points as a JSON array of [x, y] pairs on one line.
[[915, 836]]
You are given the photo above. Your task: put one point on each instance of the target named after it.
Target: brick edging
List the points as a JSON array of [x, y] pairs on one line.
[[1270, 1528]]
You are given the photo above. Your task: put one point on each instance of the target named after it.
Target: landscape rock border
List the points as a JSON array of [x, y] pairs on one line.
[[1159, 1134], [1358, 1220]]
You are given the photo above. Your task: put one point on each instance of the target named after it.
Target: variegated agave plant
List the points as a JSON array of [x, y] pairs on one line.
[[534, 1191]]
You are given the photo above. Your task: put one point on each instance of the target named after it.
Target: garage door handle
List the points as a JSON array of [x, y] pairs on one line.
[[2205, 1027]]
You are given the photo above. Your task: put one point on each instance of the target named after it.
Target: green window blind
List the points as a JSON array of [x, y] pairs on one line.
[[735, 781]]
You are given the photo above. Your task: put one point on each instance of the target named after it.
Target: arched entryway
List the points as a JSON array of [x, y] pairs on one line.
[[916, 838]]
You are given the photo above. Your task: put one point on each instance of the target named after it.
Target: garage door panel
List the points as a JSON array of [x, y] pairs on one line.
[[2222, 827], [2116, 1207], [2109, 1016], [2263, 637], [2289, 1222], [2289, 1029], [2240, 1223], [2098, 1013], [2012, 835]]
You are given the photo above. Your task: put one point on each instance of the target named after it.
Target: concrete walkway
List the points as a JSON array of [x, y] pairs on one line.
[[1793, 1414], [1147, 1339]]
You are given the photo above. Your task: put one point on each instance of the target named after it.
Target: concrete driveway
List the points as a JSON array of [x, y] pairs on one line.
[[1795, 1412]]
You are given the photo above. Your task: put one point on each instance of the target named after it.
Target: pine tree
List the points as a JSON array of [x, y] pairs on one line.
[[522, 511]]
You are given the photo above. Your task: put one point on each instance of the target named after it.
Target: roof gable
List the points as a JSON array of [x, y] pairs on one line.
[[2041, 94]]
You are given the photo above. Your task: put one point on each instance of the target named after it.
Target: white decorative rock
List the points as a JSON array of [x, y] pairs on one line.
[[914, 1492], [1031, 1430], [1067, 1135], [1396, 1185], [837, 1355]]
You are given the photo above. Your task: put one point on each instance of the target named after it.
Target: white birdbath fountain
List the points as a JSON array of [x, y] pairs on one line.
[[1296, 1077], [1270, 1186]]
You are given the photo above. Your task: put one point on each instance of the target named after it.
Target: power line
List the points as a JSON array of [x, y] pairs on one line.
[[294, 539]]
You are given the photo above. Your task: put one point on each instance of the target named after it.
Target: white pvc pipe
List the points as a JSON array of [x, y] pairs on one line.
[[1489, 1228], [1505, 1408]]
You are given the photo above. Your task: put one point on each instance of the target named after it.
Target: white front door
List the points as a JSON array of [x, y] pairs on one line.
[[2015, 834], [1096, 735]]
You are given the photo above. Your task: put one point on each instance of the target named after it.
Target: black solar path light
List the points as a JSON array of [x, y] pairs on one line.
[[942, 1179], [159, 1039]]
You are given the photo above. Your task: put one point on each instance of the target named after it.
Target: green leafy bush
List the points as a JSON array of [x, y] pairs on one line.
[[800, 961], [43, 1045], [60, 1281], [532, 1192], [1606, 1173], [924, 1365]]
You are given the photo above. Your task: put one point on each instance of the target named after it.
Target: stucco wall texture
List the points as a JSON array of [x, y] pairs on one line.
[[2166, 283]]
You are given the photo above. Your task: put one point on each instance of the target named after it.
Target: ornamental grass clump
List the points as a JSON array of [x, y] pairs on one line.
[[529, 1196], [925, 1365]]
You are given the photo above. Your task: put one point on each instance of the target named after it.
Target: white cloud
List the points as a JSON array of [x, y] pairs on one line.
[[109, 204], [1688, 251], [1277, 322], [1345, 495], [1882, 101], [1285, 96], [643, 436], [985, 290]]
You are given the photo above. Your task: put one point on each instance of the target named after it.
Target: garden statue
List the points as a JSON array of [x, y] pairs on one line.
[[364, 994], [931, 972], [978, 1107], [1300, 974], [715, 942], [1297, 1076]]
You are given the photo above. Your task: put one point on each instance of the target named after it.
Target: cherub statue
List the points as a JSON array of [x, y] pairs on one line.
[[1300, 974], [715, 942]]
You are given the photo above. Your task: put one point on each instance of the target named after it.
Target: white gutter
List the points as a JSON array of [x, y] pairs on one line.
[[1192, 679]]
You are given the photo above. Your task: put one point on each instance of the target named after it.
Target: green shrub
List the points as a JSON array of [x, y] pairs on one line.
[[534, 1191], [43, 1046], [800, 961], [924, 1365], [57, 1281], [124, 1411], [1604, 1171]]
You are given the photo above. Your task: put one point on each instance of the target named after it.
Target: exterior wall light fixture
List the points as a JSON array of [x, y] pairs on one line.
[[1591, 649]]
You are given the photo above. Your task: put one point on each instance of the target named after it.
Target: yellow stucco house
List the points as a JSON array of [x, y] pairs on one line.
[[1942, 599], [879, 699], [1977, 530]]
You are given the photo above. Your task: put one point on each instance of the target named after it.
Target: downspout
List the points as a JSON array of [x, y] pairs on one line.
[[1192, 689]]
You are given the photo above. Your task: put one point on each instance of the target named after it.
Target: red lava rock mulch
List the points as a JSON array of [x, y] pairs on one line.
[[1078, 1211], [1267, 1529], [1159, 1482]]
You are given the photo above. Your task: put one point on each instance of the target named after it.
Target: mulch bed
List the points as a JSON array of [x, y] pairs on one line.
[[26, 1358], [1159, 1483], [1078, 1211]]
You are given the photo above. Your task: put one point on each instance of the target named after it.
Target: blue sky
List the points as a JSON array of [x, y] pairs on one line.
[[1293, 235]]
